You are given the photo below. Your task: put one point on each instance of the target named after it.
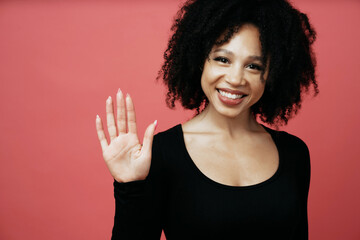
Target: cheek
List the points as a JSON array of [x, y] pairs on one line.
[[207, 77], [258, 89], [204, 84], [261, 90], [211, 74]]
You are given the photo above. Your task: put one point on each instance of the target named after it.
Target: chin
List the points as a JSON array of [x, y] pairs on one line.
[[230, 113]]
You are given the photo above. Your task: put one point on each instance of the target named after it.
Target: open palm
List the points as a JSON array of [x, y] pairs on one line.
[[125, 157]]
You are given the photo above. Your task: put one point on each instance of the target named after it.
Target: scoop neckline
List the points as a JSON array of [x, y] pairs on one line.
[[199, 173]]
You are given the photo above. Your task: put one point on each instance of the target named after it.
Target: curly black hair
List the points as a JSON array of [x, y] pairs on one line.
[[286, 36]]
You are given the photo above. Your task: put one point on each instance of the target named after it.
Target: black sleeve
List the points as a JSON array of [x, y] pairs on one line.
[[304, 173], [138, 203]]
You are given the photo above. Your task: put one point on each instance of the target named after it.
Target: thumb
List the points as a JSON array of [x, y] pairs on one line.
[[148, 137]]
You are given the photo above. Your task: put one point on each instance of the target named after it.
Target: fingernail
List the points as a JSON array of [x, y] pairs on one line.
[[155, 123], [97, 116], [127, 95], [119, 91]]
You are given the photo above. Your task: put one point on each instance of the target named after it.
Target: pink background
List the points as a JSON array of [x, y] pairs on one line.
[[60, 60]]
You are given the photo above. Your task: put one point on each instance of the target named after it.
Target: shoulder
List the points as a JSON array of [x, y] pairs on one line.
[[294, 151], [168, 150], [162, 147], [295, 154], [289, 141], [168, 136], [171, 132], [168, 141]]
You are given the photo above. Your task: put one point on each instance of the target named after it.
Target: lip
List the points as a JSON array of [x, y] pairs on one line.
[[229, 101], [232, 91]]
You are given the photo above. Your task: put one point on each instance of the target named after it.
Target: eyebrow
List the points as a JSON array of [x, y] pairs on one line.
[[252, 57], [224, 50]]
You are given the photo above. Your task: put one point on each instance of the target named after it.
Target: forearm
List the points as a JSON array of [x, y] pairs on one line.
[[135, 215]]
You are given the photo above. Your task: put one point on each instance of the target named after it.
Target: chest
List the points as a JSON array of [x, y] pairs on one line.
[[199, 209], [206, 199], [239, 163]]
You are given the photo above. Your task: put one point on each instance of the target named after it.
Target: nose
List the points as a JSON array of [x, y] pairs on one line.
[[236, 76]]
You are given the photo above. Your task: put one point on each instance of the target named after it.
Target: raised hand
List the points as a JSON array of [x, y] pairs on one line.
[[125, 157]]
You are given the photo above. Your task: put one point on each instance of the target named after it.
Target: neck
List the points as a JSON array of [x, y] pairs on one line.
[[211, 120]]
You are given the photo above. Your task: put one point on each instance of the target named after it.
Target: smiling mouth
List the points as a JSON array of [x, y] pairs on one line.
[[230, 95]]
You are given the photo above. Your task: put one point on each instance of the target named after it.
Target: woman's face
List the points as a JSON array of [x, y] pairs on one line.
[[231, 78]]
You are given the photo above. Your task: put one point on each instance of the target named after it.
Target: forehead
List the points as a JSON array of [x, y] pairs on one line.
[[245, 38]]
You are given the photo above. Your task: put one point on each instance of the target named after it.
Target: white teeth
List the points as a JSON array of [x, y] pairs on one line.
[[229, 95]]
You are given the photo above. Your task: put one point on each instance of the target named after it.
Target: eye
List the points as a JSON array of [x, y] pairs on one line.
[[255, 67], [221, 59]]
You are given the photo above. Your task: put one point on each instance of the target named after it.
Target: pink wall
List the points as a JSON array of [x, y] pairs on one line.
[[60, 60]]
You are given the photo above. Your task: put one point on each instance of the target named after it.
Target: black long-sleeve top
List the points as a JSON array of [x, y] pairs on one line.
[[178, 198]]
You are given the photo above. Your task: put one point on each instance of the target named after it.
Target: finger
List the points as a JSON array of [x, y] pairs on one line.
[[131, 121], [110, 118], [148, 138], [100, 133], [121, 114]]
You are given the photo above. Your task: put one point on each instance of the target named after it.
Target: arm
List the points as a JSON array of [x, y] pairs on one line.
[[138, 204], [135, 216], [135, 190], [301, 231]]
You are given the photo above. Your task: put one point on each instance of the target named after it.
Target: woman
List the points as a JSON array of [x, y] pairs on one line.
[[221, 174]]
